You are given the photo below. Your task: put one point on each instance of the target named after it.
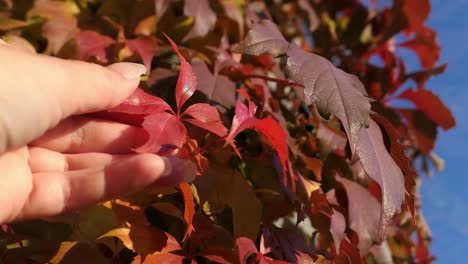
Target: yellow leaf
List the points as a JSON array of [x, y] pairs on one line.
[[63, 249], [123, 234]]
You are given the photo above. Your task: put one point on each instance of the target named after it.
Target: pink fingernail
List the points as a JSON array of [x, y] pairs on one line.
[[128, 70]]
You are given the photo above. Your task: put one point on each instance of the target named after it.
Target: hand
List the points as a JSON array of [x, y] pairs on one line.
[[52, 157]]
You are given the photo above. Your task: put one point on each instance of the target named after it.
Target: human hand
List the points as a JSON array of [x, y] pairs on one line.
[[53, 158]]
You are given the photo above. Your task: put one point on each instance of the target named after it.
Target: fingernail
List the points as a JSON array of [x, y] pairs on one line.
[[128, 70], [179, 170]]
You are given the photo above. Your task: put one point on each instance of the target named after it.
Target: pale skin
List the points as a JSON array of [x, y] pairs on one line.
[[53, 156]]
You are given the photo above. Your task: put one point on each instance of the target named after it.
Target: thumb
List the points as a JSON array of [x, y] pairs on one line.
[[37, 92]]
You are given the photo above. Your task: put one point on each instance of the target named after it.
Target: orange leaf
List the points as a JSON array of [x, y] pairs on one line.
[[189, 207]]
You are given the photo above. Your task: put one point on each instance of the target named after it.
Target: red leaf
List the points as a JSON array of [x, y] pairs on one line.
[[397, 151], [243, 119], [431, 105], [337, 229], [363, 213], [425, 46], [379, 166], [189, 207], [204, 18], [417, 11], [158, 258], [218, 254], [91, 44], [187, 82], [145, 47], [164, 129], [140, 102], [206, 117], [421, 77], [423, 129], [349, 254], [244, 249], [277, 137], [216, 87]]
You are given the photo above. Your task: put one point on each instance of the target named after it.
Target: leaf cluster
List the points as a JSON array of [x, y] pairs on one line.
[[286, 108]]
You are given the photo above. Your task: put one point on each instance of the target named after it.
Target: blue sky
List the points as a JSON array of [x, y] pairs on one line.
[[444, 196]]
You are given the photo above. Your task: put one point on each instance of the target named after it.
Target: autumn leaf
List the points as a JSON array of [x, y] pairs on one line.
[[397, 151], [337, 229], [285, 244], [379, 166], [61, 25], [145, 47], [364, 214], [263, 38], [244, 118], [164, 258], [204, 18], [216, 87], [417, 11], [164, 125], [425, 46], [91, 44], [189, 207], [422, 129], [331, 89], [431, 105]]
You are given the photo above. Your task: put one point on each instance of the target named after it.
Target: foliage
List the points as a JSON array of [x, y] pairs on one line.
[[313, 167]]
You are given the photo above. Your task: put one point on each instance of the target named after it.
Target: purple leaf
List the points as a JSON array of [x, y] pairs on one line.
[[264, 37], [379, 165], [364, 214], [204, 18], [337, 228], [216, 87], [331, 89]]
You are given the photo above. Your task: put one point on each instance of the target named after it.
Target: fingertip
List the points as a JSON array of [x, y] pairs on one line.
[[128, 70], [167, 171]]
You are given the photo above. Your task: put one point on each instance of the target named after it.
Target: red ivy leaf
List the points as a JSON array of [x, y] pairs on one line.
[[204, 18], [244, 249], [189, 207], [423, 129], [424, 44], [337, 228], [431, 105], [379, 165], [244, 118], [364, 214], [145, 47], [187, 82], [417, 11], [91, 44], [216, 87], [277, 137], [160, 258], [164, 129], [397, 151], [263, 38], [140, 102], [163, 125], [206, 117]]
